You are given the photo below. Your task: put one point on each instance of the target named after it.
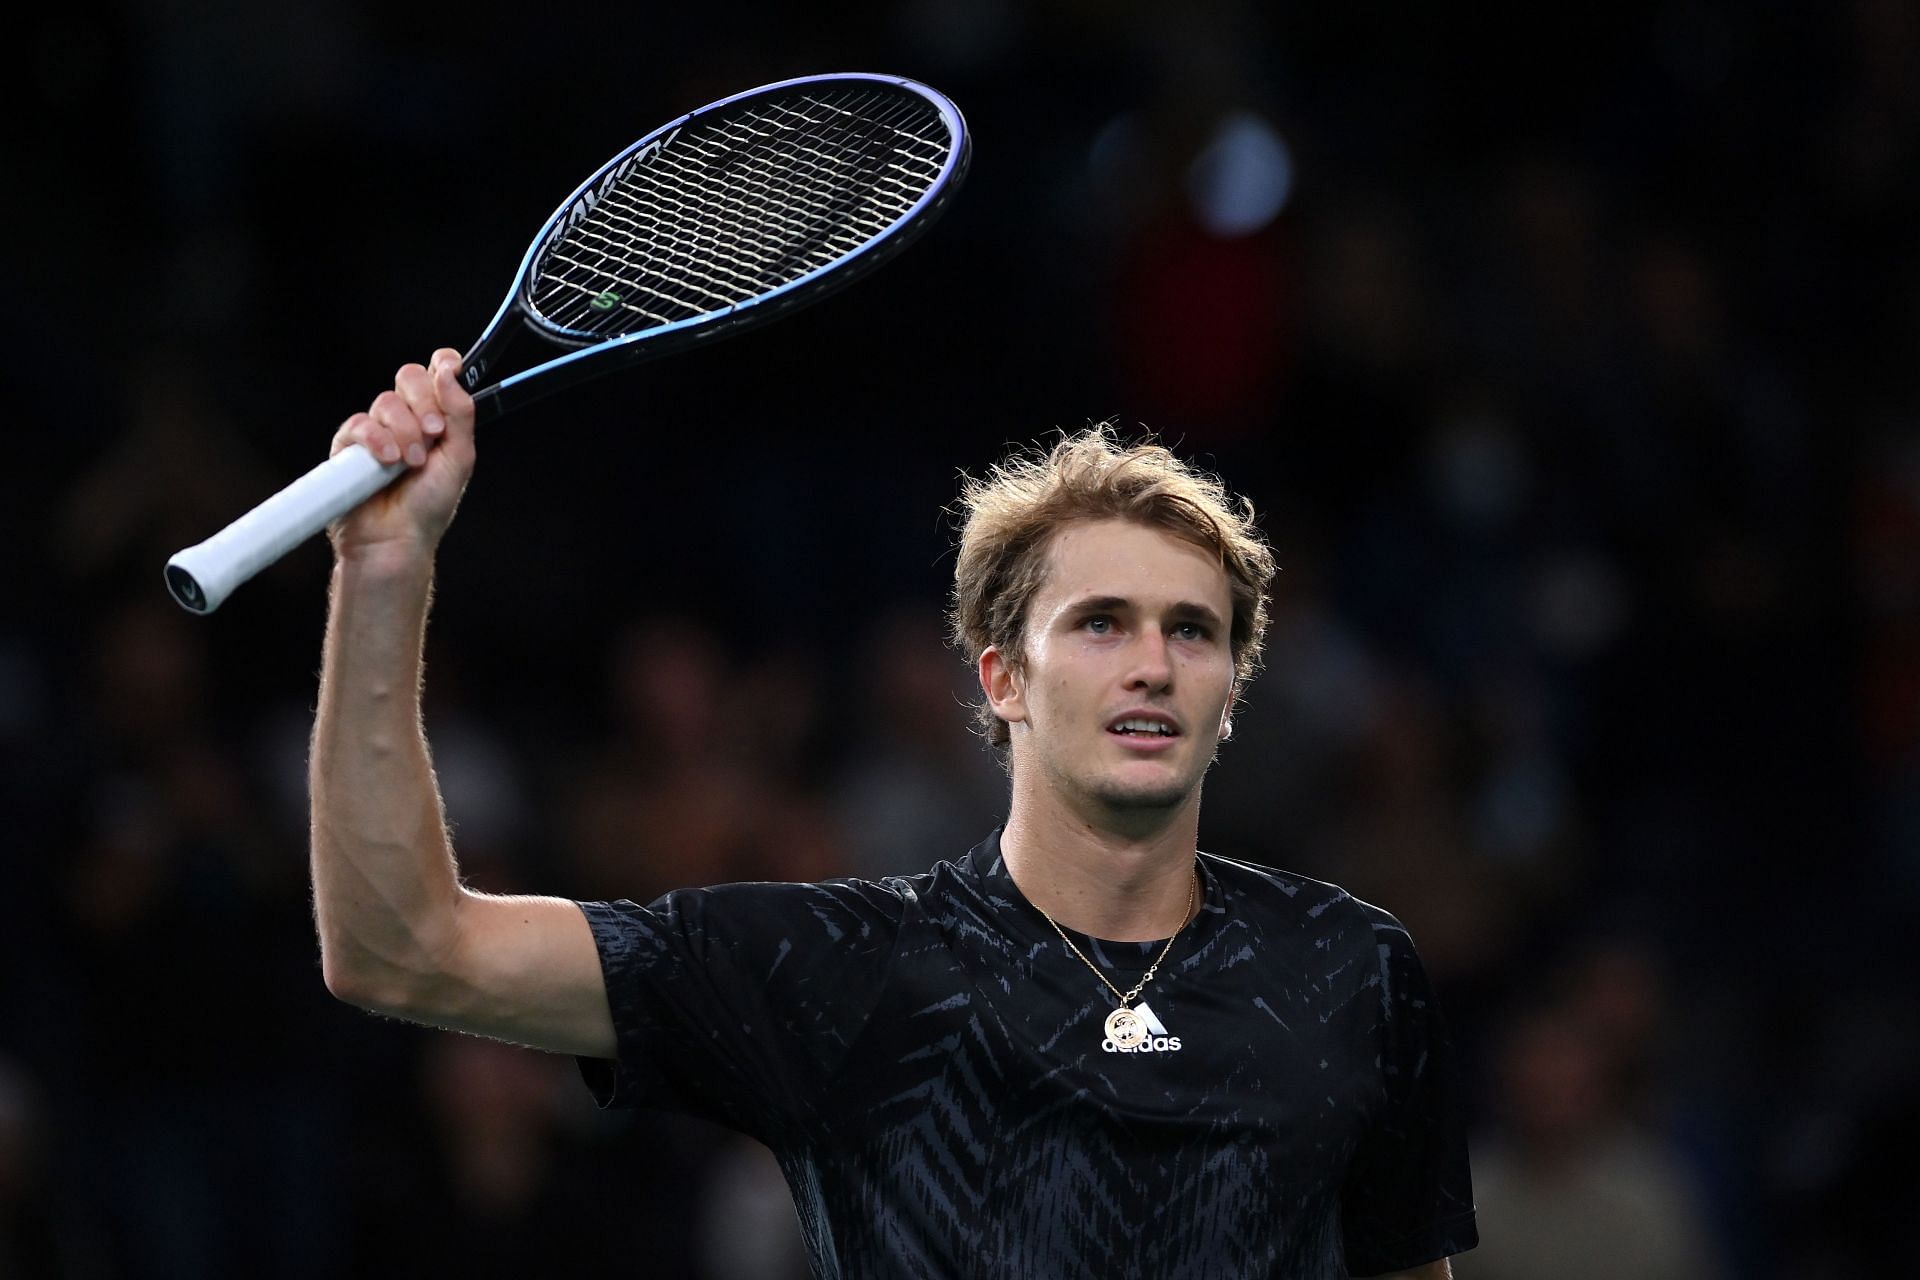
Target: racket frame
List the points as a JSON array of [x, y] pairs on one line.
[[593, 356], [202, 576]]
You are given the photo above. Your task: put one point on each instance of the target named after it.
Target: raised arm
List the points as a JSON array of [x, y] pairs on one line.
[[398, 933]]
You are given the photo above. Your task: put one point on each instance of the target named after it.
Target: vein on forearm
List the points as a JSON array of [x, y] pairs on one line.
[[385, 882]]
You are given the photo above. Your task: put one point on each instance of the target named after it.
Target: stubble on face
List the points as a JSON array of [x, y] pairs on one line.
[[1144, 810], [1136, 800], [1160, 643]]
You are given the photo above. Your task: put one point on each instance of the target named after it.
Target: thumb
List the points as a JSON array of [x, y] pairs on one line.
[[454, 401]]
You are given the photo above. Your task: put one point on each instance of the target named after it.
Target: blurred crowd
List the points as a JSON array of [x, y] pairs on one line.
[[1569, 356]]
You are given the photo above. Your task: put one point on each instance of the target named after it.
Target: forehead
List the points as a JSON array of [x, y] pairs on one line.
[[1141, 563]]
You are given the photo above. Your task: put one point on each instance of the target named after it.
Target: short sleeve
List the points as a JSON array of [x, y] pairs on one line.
[[737, 1004], [1408, 1194]]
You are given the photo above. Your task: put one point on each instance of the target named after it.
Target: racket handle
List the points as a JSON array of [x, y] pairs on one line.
[[204, 575]]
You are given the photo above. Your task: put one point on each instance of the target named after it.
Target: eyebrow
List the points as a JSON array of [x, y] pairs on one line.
[[1184, 609]]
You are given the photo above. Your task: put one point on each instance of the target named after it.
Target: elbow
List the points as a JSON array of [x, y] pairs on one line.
[[404, 970], [344, 983], [355, 985]]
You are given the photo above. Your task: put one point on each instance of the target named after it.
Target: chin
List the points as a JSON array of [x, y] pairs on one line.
[[1143, 797]]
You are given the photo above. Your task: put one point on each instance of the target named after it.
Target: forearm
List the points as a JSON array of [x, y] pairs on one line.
[[386, 894]]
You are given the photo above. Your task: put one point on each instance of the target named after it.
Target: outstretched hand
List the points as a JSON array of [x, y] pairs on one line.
[[426, 422]]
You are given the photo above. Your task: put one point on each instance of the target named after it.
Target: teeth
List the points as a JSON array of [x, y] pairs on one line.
[[1143, 726]]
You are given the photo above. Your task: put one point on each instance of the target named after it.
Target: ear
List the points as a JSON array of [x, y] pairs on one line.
[[1004, 686], [1226, 713]]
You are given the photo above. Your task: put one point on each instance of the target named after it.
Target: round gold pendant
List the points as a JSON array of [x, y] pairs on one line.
[[1125, 1029]]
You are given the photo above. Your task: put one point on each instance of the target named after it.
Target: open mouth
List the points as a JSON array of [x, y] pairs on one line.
[[1143, 728]]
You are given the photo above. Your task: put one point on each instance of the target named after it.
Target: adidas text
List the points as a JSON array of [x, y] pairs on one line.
[[1157, 1044]]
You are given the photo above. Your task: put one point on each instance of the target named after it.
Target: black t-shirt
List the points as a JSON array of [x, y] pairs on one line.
[[927, 1061]]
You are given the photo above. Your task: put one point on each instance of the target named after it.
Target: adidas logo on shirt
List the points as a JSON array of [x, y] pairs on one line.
[[1158, 1039]]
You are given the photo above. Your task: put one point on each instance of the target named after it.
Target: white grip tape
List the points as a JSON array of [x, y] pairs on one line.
[[204, 575]]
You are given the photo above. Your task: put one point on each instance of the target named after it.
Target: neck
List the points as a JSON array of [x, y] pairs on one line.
[[1124, 885]]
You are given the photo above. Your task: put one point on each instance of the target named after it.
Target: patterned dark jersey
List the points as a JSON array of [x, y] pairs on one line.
[[927, 1061]]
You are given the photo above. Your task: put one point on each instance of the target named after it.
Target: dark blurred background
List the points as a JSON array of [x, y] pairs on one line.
[[1568, 351]]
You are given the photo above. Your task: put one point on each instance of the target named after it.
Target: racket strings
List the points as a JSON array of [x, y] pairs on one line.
[[736, 206], [764, 186]]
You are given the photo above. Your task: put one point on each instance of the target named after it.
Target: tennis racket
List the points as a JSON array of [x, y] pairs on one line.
[[725, 218]]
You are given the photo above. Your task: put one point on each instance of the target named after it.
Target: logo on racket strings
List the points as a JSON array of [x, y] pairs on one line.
[[605, 301], [577, 212]]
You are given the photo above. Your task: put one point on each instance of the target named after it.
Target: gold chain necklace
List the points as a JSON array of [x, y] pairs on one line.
[[1124, 1027]]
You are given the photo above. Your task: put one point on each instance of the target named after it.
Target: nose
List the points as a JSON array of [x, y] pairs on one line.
[[1152, 667]]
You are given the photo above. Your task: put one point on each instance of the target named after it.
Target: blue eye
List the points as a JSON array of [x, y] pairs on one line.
[[1191, 631], [1099, 624]]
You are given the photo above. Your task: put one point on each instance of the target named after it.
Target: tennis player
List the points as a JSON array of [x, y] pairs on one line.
[[1083, 1048]]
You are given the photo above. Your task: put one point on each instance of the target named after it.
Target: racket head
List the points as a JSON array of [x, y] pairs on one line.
[[729, 216]]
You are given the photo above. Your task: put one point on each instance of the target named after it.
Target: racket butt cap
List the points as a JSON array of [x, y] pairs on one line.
[[185, 589]]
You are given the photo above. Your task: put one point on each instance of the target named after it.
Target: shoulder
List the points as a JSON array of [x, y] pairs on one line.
[[832, 912], [771, 920], [1353, 939], [837, 904], [1274, 892]]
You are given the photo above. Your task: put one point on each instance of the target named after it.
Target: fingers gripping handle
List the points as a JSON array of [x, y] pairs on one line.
[[204, 575]]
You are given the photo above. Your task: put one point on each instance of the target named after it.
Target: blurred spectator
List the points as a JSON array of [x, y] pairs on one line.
[[175, 474], [919, 786], [188, 917], [495, 1183], [1567, 1185], [779, 727], [659, 805], [705, 777], [1400, 839], [1299, 724]]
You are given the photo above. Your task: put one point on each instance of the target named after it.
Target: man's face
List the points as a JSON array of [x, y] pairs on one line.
[[1127, 673]]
